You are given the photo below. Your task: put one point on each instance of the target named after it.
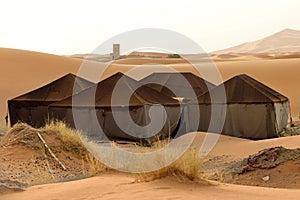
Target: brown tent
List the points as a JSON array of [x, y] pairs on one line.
[[179, 83], [92, 110], [253, 110], [32, 107]]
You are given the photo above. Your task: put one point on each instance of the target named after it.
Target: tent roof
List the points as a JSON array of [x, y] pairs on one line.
[[162, 81], [56, 90], [100, 94], [244, 89]]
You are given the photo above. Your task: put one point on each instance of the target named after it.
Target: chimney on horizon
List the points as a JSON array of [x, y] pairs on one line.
[[116, 51]]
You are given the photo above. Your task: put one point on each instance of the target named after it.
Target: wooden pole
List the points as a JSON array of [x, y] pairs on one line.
[[51, 153]]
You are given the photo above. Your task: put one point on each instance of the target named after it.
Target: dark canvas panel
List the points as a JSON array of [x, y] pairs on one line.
[[253, 121], [250, 109], [93, 108], [167, 81], [243, 89], [103, 123], [32, 107]]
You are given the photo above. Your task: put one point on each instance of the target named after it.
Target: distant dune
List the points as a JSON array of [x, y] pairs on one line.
[[147, 60], [107, 57], [93, 57], [284, 42], [148, 54]]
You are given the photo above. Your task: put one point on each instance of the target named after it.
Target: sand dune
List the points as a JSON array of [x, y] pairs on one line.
[[115, 185], [227, 145], [143, 61], [92, 57], [149, 54], [286, 41]]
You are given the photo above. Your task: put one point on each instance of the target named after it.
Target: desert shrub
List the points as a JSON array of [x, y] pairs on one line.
[[71, 138], [74, 141], [174, 56], [186, 167]]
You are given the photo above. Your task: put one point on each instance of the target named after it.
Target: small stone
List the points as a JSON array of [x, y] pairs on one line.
[[266, 178]]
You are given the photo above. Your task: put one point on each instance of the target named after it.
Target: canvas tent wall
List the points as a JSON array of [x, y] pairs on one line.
[[186, 84], [253, 110], [91, 111], [32, 107]]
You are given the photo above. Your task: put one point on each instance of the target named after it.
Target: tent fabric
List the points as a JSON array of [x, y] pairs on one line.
[[243, 89], [57, 90], [253, 110], [181, 82], [252, 121], [282, 114], [94, 109], [100, 94], [102, 125], [32, 107]]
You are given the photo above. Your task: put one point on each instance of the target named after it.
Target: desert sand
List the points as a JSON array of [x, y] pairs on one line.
[[22, 71], [118, 186], [113, 185], [285, 41]]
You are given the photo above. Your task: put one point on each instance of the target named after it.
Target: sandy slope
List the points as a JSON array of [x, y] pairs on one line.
[[117, 185], [143, 61], [149, 54], [241, 148], [285, 41]]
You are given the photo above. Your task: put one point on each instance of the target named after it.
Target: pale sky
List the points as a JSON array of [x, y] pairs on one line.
[[69, 27]]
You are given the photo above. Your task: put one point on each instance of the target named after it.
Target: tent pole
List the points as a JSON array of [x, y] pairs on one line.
[[291, 119], [6, 117]]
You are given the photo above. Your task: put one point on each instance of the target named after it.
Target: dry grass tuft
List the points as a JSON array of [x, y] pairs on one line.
[[71, 138], [75, 142], [187, 167], [62, 141], [95, 166], [22, 133]]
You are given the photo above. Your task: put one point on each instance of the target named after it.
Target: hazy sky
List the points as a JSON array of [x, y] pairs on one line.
[[68, 27]]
